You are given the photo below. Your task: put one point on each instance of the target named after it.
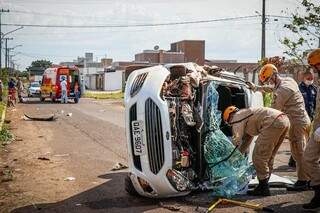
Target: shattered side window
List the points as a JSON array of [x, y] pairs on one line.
[[228, 170]]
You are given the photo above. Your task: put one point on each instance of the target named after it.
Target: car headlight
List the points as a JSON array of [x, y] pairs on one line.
[[179, 181], [137, 84]]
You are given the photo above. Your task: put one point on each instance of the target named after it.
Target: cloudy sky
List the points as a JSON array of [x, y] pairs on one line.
[[238, 39]]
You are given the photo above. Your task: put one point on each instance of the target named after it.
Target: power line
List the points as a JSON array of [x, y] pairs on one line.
[[134, 25]]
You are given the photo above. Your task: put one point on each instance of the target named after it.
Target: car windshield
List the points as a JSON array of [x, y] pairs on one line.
[[35, 84]]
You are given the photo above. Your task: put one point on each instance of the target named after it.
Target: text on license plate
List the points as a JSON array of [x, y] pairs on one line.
[[137, 137]]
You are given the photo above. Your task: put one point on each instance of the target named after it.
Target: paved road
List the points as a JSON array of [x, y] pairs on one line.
[[90, 142]]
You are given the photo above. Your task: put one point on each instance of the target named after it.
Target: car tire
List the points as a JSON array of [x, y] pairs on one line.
[[76, 100], [129, 187]]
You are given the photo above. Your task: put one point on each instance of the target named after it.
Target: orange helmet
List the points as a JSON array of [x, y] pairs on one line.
[[314, 57], [228, 111], [266, 72]]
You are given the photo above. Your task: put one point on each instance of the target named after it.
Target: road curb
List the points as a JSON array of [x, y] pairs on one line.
[[3, 116]]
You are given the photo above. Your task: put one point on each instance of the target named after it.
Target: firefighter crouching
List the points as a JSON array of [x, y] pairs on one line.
[[271, 126]]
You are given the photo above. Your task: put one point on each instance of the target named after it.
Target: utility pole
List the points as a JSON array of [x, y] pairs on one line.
[[1, 11], [6, 52], [263, 33]]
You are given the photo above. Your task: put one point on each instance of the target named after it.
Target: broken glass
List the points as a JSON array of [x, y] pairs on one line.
[[228, 169]]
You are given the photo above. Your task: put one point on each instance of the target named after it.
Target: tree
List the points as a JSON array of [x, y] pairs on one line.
[[41, 63], [305, 26]]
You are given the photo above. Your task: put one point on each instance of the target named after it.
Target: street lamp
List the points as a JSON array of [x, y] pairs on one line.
[[8, 53], [2, 35], [19, 45]]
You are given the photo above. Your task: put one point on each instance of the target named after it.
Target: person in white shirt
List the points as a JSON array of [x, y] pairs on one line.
[[64, 96]]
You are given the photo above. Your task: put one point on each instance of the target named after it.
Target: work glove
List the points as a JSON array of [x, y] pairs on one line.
[[316, 135], [251, 85]]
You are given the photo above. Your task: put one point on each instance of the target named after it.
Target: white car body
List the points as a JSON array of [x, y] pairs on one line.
[[34, 89], [139, 104]]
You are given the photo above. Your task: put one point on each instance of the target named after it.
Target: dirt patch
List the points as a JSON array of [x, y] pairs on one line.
[[26, 180]]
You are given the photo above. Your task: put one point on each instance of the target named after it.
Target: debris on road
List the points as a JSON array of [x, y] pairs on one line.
[[7, 121], [169, 207], [118, 166], [69, 114], [18, 139], [69, 179], [62, 155], [239, 203], [43, 158], [50, 118], [25, 118], [6, 174]]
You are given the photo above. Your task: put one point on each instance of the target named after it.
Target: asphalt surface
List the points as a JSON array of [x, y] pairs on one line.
[[91, 135]]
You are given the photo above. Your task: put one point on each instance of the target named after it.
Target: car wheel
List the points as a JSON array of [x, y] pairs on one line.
[[129, 187], [76, 100]]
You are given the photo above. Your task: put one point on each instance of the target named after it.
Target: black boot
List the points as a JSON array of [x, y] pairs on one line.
[[300, 185], [261, 190], [315, 202], [292, 162]]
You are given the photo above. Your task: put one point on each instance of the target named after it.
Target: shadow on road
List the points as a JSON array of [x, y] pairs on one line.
[[107, 197], [111, 197]]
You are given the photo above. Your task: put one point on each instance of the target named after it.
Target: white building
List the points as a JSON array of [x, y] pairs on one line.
[[106, 79]]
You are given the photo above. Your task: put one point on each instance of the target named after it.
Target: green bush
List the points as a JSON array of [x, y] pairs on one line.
[[5, 136]]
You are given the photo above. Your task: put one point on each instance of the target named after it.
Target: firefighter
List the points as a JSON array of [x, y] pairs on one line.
[[312, 152], [309, 93], [271, 126], [288, 99]]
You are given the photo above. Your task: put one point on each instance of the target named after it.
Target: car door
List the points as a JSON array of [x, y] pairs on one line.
[[255, 99]]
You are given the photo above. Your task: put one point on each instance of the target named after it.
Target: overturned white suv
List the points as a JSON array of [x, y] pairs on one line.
[[164, 120]]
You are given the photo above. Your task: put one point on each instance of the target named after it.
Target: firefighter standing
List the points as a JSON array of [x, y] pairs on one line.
[[309, 93], [312, 152], [271, 125], [288, 99]]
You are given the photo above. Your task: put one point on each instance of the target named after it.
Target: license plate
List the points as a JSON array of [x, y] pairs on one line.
[[137, 136]]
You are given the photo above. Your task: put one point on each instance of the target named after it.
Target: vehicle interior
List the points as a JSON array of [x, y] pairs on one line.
[[74, 77], [232, 96], [228, 95]]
